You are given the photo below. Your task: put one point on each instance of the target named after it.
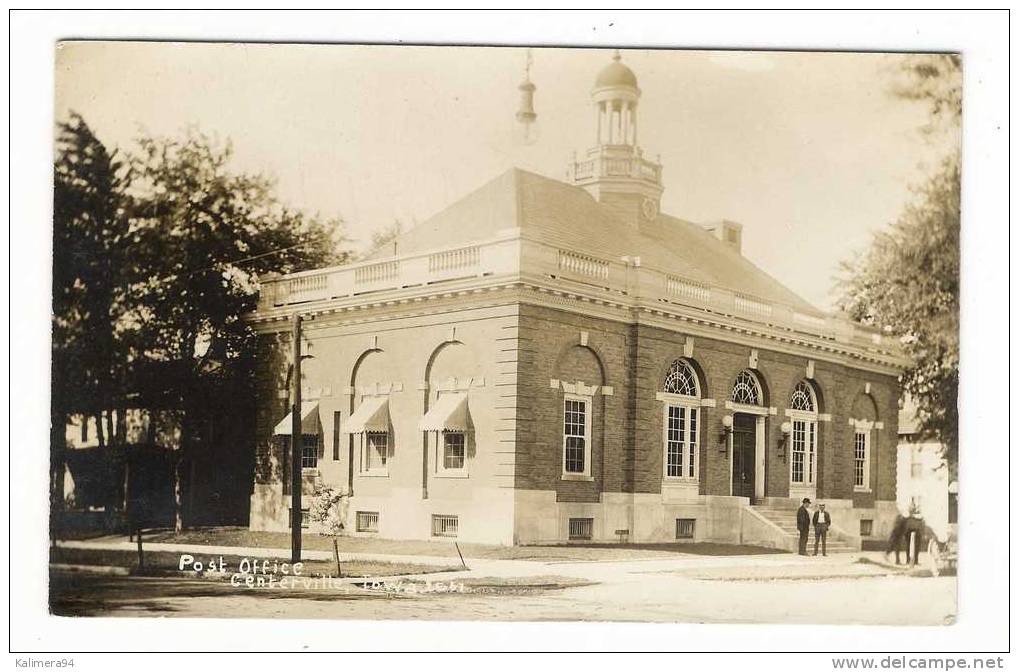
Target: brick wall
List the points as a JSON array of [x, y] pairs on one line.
[[519, 349], [634, 360], [549, 346], [273, 356]]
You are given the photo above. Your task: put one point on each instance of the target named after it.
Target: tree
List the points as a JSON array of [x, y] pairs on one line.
[[156, 260], [205, 234], [329, 510], [936, 80], [91, 235], [386, 236], [907, 283]]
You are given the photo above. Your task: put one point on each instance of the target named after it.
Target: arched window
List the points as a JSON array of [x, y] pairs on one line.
[[682, 379], [803, 398], [803, 440], [747, 389], [864, 415], [681, 418]]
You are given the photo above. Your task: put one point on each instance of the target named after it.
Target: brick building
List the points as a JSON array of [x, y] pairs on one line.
[[546, 361]]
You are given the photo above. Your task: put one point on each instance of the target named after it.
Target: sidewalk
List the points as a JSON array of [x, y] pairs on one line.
[[748, 567]]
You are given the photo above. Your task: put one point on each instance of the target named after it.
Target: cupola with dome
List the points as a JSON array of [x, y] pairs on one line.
[[614, 170], [616, 74]]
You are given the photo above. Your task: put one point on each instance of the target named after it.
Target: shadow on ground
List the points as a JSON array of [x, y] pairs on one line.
[[85, 594]]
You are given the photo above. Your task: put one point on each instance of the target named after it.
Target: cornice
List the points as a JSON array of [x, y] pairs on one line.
[[578, 298]]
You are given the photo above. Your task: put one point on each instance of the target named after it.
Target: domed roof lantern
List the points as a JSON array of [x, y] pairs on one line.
[[615, 74], [615, 170]]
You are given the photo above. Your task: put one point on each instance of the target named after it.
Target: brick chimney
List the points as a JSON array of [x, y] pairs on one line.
[[729, 232]]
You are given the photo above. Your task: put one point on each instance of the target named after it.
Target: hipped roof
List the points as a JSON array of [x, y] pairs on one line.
[[566, 216]]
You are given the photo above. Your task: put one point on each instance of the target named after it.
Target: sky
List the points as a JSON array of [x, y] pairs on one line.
[[809, 151]]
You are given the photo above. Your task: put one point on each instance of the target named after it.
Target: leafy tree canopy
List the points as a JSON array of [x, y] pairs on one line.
[[907, 282], [204, 234]]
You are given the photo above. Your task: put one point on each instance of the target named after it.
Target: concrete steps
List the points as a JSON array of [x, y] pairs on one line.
[[785, 519]]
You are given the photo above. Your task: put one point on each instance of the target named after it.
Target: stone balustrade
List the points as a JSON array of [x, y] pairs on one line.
[[622, 280]]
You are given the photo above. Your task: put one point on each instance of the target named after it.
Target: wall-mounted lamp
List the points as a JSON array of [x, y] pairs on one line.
[[726, 432], [787, 429]]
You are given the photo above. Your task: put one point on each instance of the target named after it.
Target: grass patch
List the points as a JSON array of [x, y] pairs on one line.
[[165, 561], [242, 536]]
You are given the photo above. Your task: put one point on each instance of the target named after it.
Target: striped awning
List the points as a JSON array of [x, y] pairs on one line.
[[371, 416], [310, 422], [449, 414]]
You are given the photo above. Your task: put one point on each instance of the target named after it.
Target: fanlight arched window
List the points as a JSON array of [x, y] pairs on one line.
[[803, 448], [682, 379], [803, 398], [747, 389], [681, 420]]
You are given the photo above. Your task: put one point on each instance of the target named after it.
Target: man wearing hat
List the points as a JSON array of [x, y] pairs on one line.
[[822, 521], [803, 523]]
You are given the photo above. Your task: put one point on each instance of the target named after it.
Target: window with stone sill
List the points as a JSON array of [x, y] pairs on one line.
[[681, 416], [376, 452], [576, 436], [454, 454], [681, 429], [451, 454], [803, 440], [309, 451], [861, 460]]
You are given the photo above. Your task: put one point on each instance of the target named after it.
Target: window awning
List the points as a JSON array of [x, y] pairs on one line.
[[448, 415], [310, 422], [371, 416]]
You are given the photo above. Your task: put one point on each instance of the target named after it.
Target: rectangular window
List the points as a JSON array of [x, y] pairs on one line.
[[861, 460], [453, 450], [309, 451], [804, 448], [445, 526], [681, 442], [336, 436], [376, 450], [811, 449], [581, 529], [866, 527], [576, 435], [305, 516], [367, 521], [916, 465], [799, 450], [685, 528], [84, 429]]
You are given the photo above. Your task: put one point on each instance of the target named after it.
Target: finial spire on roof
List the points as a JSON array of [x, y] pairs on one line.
[[525, 113], [616, 56]]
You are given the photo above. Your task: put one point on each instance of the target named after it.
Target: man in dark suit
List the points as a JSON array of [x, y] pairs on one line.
[[822, 521], [803, 524]]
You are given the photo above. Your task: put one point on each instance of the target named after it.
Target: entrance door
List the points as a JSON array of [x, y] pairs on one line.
[[744, 452]]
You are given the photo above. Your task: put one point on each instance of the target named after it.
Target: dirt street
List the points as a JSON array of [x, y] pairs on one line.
[[662, 591]]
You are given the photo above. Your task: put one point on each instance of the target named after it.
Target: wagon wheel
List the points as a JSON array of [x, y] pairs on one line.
[[934, 557]]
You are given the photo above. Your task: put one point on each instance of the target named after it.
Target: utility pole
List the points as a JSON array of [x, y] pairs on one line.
[[296, 446]]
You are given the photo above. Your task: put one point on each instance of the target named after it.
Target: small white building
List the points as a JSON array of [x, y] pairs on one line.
[[922, 475]]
